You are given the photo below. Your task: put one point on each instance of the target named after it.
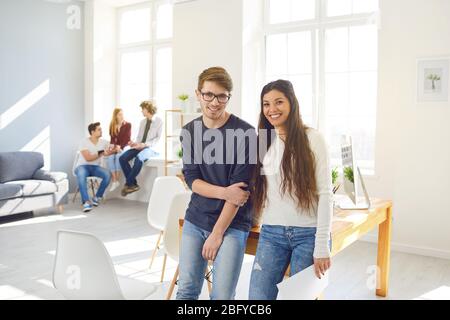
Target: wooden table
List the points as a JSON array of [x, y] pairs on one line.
[[350, 225]]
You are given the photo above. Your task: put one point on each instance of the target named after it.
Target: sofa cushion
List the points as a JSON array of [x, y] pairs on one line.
[[19, 165], [53, 176], [10, 191], [34, 187]]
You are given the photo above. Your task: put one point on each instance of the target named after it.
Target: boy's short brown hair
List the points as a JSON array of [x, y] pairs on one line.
[[218, 75], [149, 106], [92, 127]]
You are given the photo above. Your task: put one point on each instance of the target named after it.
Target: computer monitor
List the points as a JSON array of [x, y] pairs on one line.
[[351, 178]]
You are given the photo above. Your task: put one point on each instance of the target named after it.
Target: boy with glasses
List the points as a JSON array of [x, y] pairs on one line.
[[218, 218]]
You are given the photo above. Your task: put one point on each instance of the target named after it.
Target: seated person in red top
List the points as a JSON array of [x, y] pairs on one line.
[[120, 132]]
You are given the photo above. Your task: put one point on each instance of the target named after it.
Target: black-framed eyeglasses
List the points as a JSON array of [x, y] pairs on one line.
[[221, 98]]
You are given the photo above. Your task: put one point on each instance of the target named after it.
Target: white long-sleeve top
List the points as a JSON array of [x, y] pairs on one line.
[[282, 209], [154, 133]]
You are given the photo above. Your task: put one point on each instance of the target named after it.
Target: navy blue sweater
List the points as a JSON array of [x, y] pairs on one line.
[[220, 162]]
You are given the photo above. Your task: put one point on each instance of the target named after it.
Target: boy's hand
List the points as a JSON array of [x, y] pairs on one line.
[[211, 246]]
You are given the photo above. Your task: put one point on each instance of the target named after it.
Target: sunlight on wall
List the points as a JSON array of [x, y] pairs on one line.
[[24, 104], [41, 143]]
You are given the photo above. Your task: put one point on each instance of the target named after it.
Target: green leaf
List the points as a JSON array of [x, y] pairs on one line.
[[348, 174], [183, 97], [334, 175]]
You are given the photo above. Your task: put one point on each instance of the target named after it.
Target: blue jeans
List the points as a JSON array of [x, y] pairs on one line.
[[84, 171], [139, 156], [113, 162], [279, 246], [226, 266]]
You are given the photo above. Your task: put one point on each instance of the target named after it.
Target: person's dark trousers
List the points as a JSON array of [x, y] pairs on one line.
[[129, 172]]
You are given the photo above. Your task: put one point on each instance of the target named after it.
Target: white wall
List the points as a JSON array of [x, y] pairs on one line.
[[41, 80], [413, 140], [100, 63], [207, 33], [253, 59]]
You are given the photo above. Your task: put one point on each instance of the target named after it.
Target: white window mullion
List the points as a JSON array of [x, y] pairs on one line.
[[151, 70], [348, 75], [321, 119], [315, 78]]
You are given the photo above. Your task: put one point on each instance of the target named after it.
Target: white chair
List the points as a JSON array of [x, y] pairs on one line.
[[92, 182], [83, 270], [172, 235], [163, 191]]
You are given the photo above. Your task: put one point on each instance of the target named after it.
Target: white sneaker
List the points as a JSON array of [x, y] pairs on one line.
[[114, 186]]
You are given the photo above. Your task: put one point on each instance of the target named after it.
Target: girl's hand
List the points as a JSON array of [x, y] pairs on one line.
[[236, 195], [321, 265]]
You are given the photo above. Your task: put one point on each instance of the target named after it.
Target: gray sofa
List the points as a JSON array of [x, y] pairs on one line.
[[25, 187]]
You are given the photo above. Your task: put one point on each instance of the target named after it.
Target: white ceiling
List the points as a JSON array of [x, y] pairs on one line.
[[121, 3]]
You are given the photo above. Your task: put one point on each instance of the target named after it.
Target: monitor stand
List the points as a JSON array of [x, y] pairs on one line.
[[361, 203]]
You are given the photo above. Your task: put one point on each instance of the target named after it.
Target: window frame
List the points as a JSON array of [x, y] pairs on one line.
[[318, 27], [153, 44]]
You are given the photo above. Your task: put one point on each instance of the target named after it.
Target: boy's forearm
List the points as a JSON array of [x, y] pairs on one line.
[[208, 190]]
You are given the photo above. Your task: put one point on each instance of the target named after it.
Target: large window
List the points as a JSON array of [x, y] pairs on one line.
[[328, 49], [145, 59]]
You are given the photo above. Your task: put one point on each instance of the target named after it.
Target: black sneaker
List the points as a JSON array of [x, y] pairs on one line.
[[133, 188], [124, 191]]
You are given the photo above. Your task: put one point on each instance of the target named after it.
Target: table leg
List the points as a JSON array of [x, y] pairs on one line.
[[384, 252]]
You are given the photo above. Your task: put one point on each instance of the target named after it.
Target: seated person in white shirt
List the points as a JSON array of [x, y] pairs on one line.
[[91, 150], [292, 192], [141, 150]]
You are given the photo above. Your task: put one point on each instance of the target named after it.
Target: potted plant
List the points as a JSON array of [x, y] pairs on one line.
[[334, 178], [180, 153], [183, 98], [348, 174]]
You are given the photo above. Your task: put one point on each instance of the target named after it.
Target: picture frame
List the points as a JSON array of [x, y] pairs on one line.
[[433, 80]]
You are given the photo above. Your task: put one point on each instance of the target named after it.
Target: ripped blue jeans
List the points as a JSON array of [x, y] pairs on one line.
[[279, 246]]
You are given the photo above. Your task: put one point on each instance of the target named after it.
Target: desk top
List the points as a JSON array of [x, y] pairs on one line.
[[347, 227], [349, 220]]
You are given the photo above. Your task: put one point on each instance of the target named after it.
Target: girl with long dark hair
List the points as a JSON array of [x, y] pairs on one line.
[[292, 194]]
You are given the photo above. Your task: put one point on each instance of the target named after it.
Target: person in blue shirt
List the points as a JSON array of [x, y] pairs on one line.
[[217, 166]]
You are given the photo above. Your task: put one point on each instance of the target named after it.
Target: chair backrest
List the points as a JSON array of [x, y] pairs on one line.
[[83, 268], [75, 161], [171, 238], [163, 191]]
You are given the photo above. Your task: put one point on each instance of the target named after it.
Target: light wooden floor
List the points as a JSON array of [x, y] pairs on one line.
[[27, 252]]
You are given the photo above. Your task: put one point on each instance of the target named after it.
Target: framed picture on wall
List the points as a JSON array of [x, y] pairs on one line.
[[433, 80]]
